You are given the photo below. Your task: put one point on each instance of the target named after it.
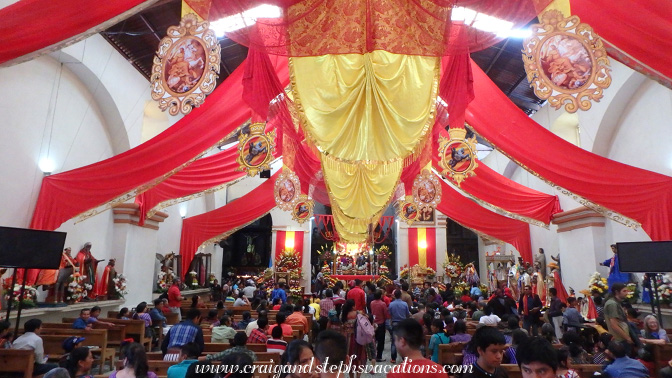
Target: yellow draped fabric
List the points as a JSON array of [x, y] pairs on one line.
[[368, 115]]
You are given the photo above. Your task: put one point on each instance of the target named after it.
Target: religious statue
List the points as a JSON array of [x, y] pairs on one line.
[[615, 275], [88, 267], [106, 283], [66, 269], [540, 263], [556, 281], [470, 274], [557, 260]]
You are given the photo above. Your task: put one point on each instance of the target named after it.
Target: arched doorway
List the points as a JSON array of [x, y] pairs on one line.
[[248, 250]]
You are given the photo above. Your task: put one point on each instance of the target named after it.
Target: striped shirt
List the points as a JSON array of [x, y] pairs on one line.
[[276, 346], [325, 305]]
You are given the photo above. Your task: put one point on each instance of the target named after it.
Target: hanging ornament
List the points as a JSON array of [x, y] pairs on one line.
[[287, 189], [566, 63], [407, 210], [255, 149], [186, 66], [303, 209], [457, 155], [426, 190]]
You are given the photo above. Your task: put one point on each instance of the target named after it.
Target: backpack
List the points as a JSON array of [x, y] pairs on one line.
[[364, 331]]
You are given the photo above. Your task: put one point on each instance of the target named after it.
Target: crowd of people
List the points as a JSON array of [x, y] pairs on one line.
[[351, 323]]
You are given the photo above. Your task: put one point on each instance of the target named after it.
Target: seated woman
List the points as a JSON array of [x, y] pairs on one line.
[[280, 322], [135, 363], [223, 333], [237, 346], [79, 363], [196, 302], [461, 335], [518, 337], [212, 319], [142, 314], [299, 354], [564, 365], [439, 337], [123, 314], [277, 303], [652, 332]]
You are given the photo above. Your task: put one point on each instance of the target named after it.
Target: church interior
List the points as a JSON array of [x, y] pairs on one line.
[[444, 144]]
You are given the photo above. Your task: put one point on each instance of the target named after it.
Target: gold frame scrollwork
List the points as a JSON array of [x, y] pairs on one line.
[[284, 176], [402, 205], [457, 136], [183, 102], [256, 132], [554, 24], [426, 176], [310, 205]]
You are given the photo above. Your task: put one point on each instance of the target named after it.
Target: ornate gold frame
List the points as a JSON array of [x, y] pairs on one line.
[[189, 28], [554, 24], [256, 131], [408, 200], [303, 199], [424, 177], [287, 175], [458, 136]]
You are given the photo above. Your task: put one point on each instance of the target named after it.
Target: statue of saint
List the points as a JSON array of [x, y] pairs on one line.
[[88, 266], [540, 263], [67, 268], [106, 282]]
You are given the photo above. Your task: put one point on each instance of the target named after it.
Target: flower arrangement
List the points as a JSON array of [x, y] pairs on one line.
[[29, 296], [404, 273], [384, 271], [289, 261], [597, 283], [76, 289], [383, 254], [431, 273], [664, 289], [384, 281], [633, 292], [120, 285], [161, 285], [325, 253], [453, 266], [194, 280]]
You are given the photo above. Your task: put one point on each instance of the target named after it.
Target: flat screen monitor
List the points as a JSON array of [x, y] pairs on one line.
[[645, 257], [32, 249]]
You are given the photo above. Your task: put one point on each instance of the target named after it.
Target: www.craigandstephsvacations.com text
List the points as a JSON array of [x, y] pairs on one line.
[[341, 369]]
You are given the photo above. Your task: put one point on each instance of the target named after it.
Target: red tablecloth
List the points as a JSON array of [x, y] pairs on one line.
[[348, 277]]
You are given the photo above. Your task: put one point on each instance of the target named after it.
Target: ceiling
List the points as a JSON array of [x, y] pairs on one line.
[[138, 37]]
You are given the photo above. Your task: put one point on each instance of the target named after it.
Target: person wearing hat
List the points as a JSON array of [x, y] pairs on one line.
[[68, 346]]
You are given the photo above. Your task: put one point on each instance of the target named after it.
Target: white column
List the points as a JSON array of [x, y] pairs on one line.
[[402, 246], [441, 243]]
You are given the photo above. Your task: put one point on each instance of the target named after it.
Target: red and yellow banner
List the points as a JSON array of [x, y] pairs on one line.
[[422, 247], [287, 240]]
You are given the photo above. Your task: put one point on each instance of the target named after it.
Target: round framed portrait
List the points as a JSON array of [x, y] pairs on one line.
[[185, 65], [287, 189]]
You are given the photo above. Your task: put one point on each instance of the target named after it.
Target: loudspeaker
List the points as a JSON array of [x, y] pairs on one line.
[[265, 174], [645, 257]]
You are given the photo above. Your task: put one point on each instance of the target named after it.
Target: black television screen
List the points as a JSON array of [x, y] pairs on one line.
[[33, 249], [644, 257]]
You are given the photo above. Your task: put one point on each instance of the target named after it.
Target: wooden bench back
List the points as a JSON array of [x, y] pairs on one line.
[[17, 361], [94, 337], [160, 367], [448, 352], [219, 347]]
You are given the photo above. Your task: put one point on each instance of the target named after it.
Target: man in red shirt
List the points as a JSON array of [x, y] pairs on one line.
[[175, 298], [408, 339], [380, 315], [357, 294]]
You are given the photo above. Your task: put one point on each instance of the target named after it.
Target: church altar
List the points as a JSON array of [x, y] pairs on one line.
[[363, 277]]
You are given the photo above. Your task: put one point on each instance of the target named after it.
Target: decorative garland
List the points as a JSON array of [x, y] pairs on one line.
[[76, 289]]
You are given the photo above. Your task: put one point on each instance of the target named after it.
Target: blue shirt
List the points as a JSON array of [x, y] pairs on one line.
[[279, 293], [626, 367], [79, 323], [180, 370], [475, 291], [399, 310], [157, 316], [434, 342], [182, 333]]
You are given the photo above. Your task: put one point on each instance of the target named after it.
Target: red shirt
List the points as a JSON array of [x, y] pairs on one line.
[[379, 311], [286, 329], [465, 299], [358, 295], [174, 296], [422, 368]]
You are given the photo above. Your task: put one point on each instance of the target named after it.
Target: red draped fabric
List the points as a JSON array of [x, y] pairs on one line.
[[319, 27], [28, 26], [198, 177], [499, 191], [412, 246], [68, 194], [198, 229], [469, 214], [281, 239], [635, 193], [639, 32]]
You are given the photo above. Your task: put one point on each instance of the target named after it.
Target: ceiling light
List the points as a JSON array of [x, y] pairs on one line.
[[245, 19], [487, 23], [47, 165]]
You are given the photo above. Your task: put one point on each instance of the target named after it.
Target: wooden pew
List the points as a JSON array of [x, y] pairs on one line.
[[448, 353], [512, 370], [134, 329], [264, 369], [17, 361], [95, 338], [219, 347], [160, 367], [662, 354]]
